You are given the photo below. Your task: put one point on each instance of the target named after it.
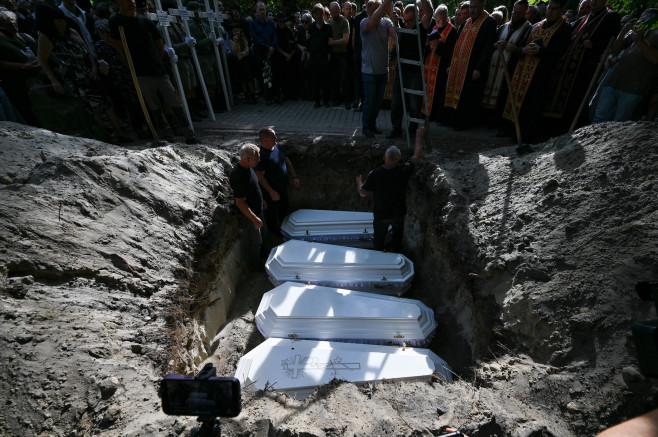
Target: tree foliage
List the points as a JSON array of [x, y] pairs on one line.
[[649, 20], [288, 6], [248, 7], [623, 7]]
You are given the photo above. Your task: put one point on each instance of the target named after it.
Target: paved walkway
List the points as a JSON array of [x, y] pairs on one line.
[[300, 117], [293, 116]]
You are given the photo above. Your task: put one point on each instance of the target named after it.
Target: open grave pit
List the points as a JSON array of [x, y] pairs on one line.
[[122, 265]]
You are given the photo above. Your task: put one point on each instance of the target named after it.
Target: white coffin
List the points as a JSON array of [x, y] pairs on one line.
[[313, 312], [341, 267], [350, 228], [298, 366]]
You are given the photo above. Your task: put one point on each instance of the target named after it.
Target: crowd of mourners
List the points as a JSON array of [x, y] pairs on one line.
[[537, 68]]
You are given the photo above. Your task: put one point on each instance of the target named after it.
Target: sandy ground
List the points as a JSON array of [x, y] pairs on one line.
[[529, 263]]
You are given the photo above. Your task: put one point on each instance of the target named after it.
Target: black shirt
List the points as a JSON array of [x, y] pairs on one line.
[[358, 18], [244, 184], [141, 35], [409, 47], [273, 163], [389, 188], [319, 42], [286, 39], [300, 36]]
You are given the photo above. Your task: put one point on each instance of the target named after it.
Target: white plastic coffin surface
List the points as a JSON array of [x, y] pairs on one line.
[[349, 228], [294, 310], [298, 366], [341, 267]]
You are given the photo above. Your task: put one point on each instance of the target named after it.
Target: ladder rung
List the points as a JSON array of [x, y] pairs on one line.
[[416, 92], [405, 30], [410, 62], [417, 120]]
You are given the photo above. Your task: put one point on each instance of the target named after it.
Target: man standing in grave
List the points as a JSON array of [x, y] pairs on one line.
[[249, 200], [274, 172], [388, 185]]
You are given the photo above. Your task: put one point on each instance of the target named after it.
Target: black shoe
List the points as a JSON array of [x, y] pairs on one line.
[[348, 106], [317, 105], [327, 104], [395, 133], [359, 109], [368, 133], [376, 130], [279, 101], [355, 105]]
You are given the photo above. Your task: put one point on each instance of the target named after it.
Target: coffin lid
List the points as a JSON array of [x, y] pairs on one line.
[[338, 266], [326, 225], [326, 313], [298, 366]]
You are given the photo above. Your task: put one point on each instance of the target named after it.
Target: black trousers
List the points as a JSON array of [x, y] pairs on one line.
[[260, 56], [275, 212], [381, 229], [319, 67]]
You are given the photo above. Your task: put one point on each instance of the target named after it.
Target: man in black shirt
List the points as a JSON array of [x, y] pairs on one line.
[[320, 32], [147, 50], [388, 184], [274, 172], [249, 199]]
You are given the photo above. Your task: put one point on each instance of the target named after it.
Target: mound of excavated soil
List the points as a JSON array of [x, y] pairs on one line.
[[529, 263]]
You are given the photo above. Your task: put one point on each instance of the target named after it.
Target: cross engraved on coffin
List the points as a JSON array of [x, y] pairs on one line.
[[296, 366]]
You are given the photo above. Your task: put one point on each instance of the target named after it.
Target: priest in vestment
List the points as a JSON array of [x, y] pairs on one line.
[[510, 37], [441, 42], [541, 52], [469, 66]]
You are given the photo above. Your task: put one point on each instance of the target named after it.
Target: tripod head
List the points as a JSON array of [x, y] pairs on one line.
[[210, 425], [204, 395]]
